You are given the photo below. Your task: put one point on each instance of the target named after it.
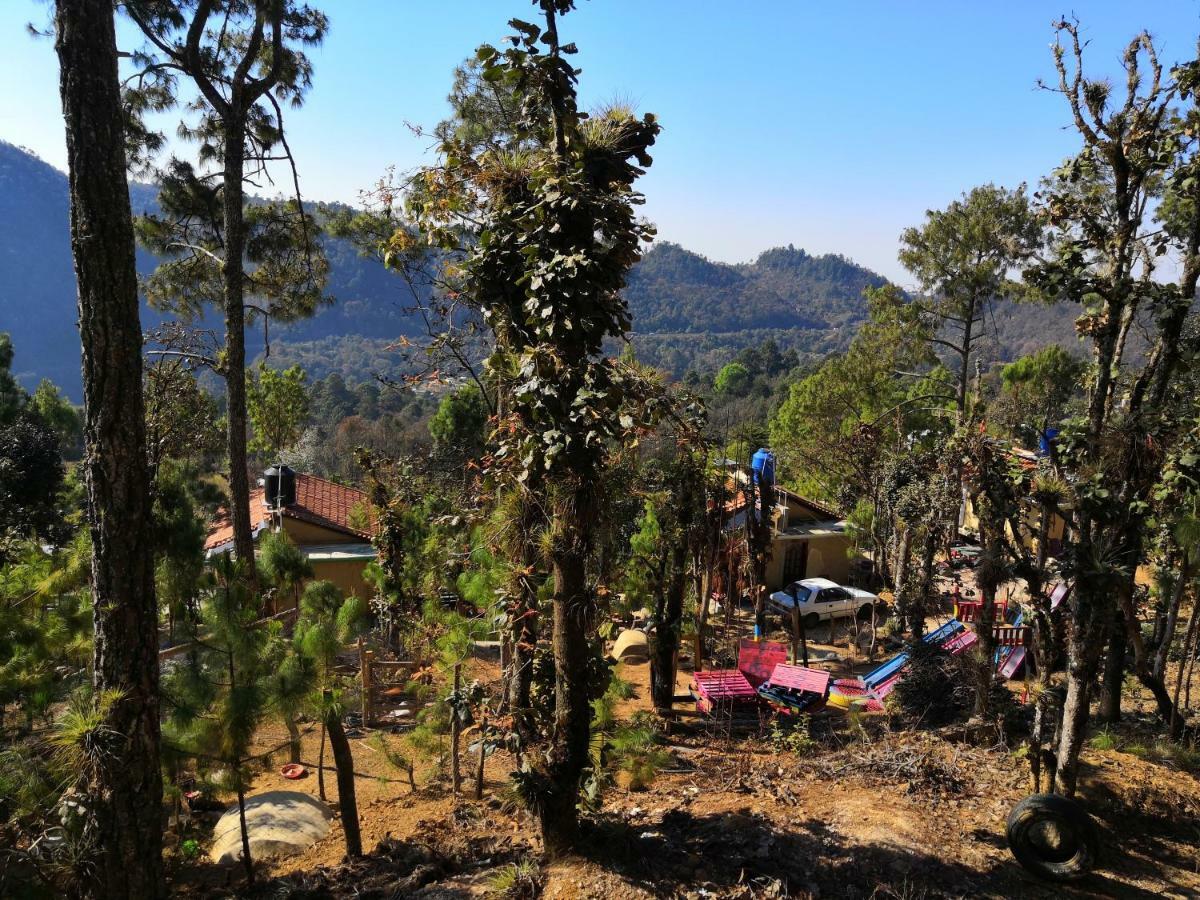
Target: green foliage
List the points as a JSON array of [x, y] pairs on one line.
[[45, 628], [645, 574], [218, 695], [1037, 390], [57, 413], [179, 532], [834, 424], [182, 422], [733, 379], [282, 563], [635, 750], [795, 737], [398, 761], [460, 422], [12, 396], [328, 622], [517, 881], [31, 482], [277, 403]]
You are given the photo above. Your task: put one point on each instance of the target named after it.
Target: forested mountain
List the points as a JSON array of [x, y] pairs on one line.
[[688, 311]]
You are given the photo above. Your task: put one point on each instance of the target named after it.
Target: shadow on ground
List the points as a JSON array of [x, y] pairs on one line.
[[724, 852]]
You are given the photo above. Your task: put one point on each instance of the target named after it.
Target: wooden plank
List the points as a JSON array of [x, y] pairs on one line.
[[758, 659], [799, 678]]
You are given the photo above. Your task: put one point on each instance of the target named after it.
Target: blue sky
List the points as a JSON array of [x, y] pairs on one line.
[[827, 125]]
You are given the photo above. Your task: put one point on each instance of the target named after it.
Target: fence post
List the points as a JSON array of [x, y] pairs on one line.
[[364, 671], [455, 731]]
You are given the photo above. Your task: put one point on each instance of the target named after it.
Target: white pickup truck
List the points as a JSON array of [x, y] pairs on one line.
[[820, 599]]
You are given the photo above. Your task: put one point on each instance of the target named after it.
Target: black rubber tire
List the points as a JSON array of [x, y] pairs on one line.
[[1053, 837], [864, 613], [812, 620]]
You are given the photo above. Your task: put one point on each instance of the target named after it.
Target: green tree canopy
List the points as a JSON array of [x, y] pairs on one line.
[[277, 402], [59, 415], [460, 421], [734, 379]]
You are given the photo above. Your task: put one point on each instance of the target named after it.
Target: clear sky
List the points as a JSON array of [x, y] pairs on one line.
[[828, 125]]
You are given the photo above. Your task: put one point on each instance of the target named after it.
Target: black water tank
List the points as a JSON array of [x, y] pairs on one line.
[[279, 485]]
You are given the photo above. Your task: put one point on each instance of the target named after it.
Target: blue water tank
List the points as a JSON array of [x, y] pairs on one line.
[[1045, 439], [763, 466]]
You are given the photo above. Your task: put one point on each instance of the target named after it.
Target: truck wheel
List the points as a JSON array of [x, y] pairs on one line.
[[1053, 837], [812, 620], [864, 613]]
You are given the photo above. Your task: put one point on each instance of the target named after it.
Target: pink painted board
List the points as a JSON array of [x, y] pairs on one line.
[[798, 678], [758, 659]]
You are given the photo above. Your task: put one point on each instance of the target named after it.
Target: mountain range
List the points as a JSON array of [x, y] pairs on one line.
[[688, 311]]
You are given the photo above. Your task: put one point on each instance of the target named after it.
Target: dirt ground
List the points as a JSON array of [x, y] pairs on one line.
[[868, 813]]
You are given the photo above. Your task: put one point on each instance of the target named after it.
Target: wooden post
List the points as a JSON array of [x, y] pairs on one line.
[[364, 668], [482, 755], [803, 639], [795, 632], [455, 732]]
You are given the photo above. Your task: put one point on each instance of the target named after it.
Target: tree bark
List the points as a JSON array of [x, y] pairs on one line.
[[1189, 649], [557, 809], [293, 731], [666, 633], [343, 761], [233, 277], [1172, 622], [125, 785], [988, 579], [1083, 658], [321, 765], [523, 623], [1109, 707]]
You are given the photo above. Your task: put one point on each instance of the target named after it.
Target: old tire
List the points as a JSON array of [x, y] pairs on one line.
[[1053, 837], [864, 613], [812, 620]]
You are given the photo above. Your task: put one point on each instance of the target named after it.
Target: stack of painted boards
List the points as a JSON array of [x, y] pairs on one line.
[[795, 689], [869, 692], [764, 675]]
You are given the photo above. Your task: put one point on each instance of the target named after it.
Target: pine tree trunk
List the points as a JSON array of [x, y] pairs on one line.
[[343, 762], [321, 765], [233, 278], [247, 859], [293, 731], [125, 786]]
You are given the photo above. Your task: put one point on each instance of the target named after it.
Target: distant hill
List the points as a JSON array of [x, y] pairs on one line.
[[688, 311]]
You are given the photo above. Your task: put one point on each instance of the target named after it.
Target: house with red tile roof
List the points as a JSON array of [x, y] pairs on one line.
[[808, 538], [329, 522]]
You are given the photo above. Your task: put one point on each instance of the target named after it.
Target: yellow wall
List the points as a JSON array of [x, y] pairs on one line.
[[347, 574], [306, 533], [827, 558]]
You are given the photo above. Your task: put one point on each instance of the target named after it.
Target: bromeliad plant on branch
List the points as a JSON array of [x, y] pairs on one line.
[[557, 235]]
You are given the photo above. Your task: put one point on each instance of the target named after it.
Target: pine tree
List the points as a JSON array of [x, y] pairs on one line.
[[124, 788], [327, 623], [244, 70]]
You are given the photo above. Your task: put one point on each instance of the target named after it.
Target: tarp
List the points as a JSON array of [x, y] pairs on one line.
[[631, 646]]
